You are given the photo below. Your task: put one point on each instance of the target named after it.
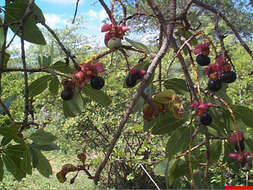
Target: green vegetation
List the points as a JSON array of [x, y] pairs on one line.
[[99, 117]]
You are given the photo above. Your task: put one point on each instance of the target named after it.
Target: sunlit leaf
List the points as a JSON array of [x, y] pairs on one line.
[[43, 165], [14, 13], [74, 106], [39, 85], [97, 95], [42, 137], [138, 45]]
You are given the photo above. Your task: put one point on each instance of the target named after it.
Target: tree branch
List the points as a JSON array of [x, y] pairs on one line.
[[107, 11], [139, 92], [77, 3]]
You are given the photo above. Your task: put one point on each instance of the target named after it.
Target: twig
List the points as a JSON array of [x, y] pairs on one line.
[[221, 39], [160, 16], [126, 57], [160, 64], [77, 2], [13, 37], [35, 70], [28, 12], [98, 56], [137, 15], [192, 149], [67, 52], [107, 11], [186, 73], [182, 16], [180, 49]]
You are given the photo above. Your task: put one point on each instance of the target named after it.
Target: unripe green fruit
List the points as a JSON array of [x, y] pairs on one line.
[[114, 43]]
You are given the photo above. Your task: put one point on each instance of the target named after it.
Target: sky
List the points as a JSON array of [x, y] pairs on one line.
[[59, 12]]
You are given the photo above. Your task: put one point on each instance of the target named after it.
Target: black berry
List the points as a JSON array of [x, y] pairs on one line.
[[242, 146], [67, 94], [131, 80], [228, 77], [97, 83], [214, 85], [203, 60], [206, 118]]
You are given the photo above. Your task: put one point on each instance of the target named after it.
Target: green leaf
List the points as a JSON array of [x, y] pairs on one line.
[[171, 166], [73, 107], [48, 147], [178, 140], [39, 61], [178, 85], [27, 162], [245, 114], [43, 165], [6, 58], [1, 169], [148, 124], [7, 102], [62, 67], [12, 165], [139, 105], [54, 86], [5, 141], [97, 95], [14, 12], [34, 154], [222, 93], [166, 123], [10, 132], [182, 168], [138, 45], [42, 137], [46, 61], [160, 168], [39, 85], [164, 97], [249, 142], [16, 150], [215, 151]]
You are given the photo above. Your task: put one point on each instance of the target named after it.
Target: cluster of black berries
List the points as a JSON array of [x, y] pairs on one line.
[[88, 73], [68, 91], [219, 72]]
